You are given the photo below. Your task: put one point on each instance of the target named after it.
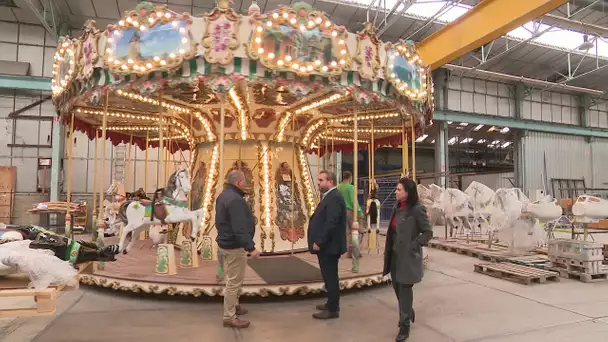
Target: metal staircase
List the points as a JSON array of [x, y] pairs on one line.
[[386, 193]]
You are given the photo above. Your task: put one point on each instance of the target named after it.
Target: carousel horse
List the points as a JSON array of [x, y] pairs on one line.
[[169, 205], [482, 198], [454, 205], [43, 254]]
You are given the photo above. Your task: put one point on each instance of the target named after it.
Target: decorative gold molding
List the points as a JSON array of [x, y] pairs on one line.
[[217, 289]]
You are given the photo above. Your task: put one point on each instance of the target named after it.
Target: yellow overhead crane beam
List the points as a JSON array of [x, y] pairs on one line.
[[483, 23]]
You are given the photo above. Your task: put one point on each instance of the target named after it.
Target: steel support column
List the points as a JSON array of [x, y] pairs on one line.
[[441, 153], [440, 79], [519, 165], [56, 156], [483, 23]]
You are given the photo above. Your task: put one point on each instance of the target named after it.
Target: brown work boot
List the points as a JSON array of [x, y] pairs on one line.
[[236, 323], [240, 311]]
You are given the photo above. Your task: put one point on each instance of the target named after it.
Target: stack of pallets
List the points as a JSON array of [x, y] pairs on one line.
[[578, 259]]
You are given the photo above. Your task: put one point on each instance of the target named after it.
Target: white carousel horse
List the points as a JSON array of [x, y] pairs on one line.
[[589, 208], [482, 198], [520, 232], [138, 215], [455, 205]]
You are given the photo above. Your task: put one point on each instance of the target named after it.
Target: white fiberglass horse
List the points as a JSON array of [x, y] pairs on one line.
[[173, 204], [589, 208], [455, 205], [482, 198]]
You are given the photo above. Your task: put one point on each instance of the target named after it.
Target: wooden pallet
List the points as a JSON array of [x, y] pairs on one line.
[[517, 273], [46, 301], [536, 261], [582, 276]]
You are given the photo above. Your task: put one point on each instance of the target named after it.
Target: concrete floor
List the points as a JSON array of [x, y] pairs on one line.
[[452, 303]]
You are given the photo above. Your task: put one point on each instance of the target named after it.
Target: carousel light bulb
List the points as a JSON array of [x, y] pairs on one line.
[[168, 15], [319, 20], [293, 21], [184, 40], [303, 69], [182, 51], [334, 33], [325, 68], [295, 65], [163, 62], [135, 23], [172, 55], [309, 68], [130, 61], [343, 51], [328, 23], [333, 63], [182, 30], [271, 55], [261, 50], [258, 40], [275, 15], [260, 29], [110, 59], [149, 65], [129, 19], [280, 62], [269, 23], [143, 28], [124, 67], [288, 58], [302, 28]]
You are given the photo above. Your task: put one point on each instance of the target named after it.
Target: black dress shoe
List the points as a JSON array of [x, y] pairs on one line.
[[322, 307], [325, 315], [404, 333]]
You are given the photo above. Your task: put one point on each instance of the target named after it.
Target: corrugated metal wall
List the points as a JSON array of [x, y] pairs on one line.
[[599, 155], [566, 156], [492, 180]]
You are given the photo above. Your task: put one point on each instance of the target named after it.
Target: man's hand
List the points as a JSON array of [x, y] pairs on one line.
[[316, 247], [254, 254]]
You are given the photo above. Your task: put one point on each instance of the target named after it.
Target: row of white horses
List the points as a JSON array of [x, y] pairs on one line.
[[480, 210]]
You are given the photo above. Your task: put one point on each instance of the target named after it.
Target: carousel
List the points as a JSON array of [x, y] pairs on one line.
[[267, 94]]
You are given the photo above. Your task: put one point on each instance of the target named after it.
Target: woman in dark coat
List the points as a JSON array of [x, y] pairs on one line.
[[408, 231]]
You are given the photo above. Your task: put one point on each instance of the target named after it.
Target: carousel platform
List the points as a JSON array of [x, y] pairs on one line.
[[279, 275]]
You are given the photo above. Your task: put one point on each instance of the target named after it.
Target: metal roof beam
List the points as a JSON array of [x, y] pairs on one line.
[[521, 124], [483, 23], [48, 14], [388, 23]]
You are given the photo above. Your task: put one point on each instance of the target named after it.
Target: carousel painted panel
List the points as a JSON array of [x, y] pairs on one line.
[[65, 65], [301, 40], [368, 53], [405, 71], [90, 49], [147, 39], [290, 214], [221, 37]]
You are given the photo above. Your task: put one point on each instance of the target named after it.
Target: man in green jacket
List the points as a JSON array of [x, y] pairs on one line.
[[347, 190]]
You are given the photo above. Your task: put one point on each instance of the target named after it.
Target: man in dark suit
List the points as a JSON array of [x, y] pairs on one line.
[[327, 239]]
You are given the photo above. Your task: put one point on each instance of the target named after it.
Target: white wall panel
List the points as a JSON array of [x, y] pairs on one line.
[[566, 157], [9, 32], [30, 34], [27, 173], [8, 52]]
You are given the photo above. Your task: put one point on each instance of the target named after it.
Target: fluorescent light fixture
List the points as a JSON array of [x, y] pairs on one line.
[[432, 142], [492, 129], [505, 130], [477, 128], [466, 140], [450, 122], [507, 144], [464, 124], [453, 140], [495, 142], [481, 141], [421, 138]]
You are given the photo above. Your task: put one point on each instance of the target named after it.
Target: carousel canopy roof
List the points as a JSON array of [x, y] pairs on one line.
[[289, 75]]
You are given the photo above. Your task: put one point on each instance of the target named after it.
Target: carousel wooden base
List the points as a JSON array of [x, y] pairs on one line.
[[293, 274]]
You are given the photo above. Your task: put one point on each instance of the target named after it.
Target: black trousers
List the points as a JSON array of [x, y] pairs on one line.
[[405, 296], [329, 270]]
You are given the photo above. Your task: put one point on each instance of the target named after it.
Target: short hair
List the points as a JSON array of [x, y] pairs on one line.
[[235, 176], [330, 176], [347, 175]]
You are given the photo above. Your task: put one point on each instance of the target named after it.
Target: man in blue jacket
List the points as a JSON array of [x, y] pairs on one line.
[[235, 230], [327, 239]]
